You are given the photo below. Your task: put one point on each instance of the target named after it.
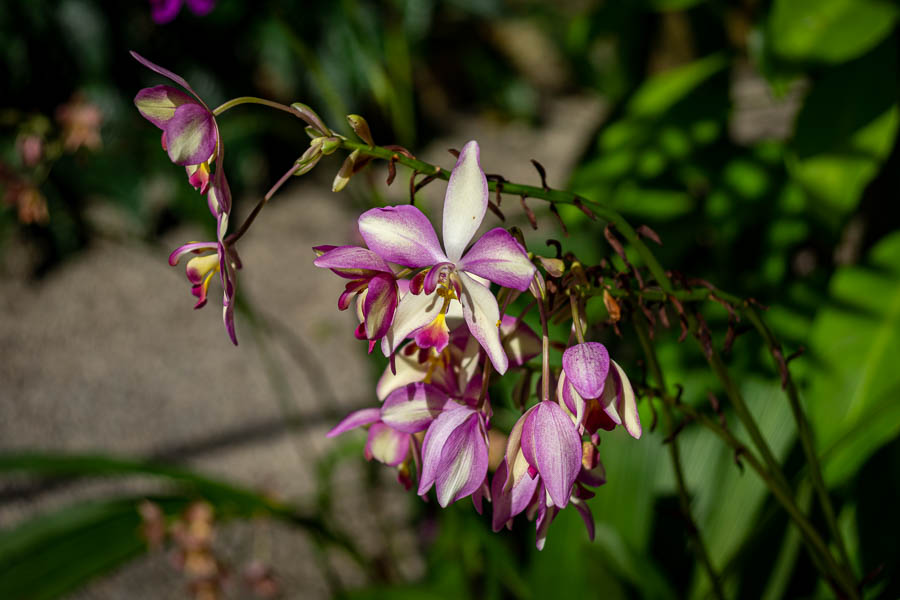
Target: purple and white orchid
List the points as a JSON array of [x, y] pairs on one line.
[[404, 236], [190, 134], [370, 276], [201, 269], [595, 389]]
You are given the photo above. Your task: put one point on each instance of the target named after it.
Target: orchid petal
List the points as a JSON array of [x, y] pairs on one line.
[[514, 441], [570, 399], [358, 418], [434, 335], [402, 235], [626, 403], [408, 370], [465, 202], [482, 317], [464, 462], [508, 502], [440, 429], [586, 366], [436, 275], [520, 342], [585, 511], [386, 445], [158, 104], [545, 518], [166, 73], [380, 305], [413, 312], [352, 262], [412, 409], [609, 398], [191, 135], [191, 247], [557, 450], [497, 256]]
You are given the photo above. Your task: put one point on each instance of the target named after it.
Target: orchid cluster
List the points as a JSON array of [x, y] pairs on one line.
[[431, 309]]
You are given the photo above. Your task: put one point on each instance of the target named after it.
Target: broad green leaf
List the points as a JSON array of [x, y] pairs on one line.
[[661, 92], [846, 130], [829, 30], [854, 398], [56, 553]]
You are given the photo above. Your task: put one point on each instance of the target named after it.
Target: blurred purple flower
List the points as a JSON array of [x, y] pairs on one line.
[[164, 11]]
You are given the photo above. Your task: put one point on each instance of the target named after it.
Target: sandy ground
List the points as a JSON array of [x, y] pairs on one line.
[[106, 355]]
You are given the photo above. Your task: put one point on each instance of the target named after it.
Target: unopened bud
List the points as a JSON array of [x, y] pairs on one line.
[[330, 144], [310, 158], [310, 116], [537, 287], [361, 128], [555, 267], [345, 173]]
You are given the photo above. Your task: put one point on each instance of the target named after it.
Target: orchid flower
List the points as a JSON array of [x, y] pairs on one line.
[[190, 133], [550, 468], [406, 411], [403, 235], [455, 455], [201, 269], [369, 275], [164, 11], [596, 390]]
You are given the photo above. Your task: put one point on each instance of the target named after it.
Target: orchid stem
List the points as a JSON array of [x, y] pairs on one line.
[[806, 438], [545, 350], [252, 100], [675, 455], [576, 318], [842, 578], [234, 237]]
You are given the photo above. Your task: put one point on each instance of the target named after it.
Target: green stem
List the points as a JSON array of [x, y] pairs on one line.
[[805, 433], [576, 318], [841, 577], [674, 453], [252, 100]]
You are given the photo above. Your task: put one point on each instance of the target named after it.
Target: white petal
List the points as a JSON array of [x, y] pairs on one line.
[[482, 317], [465, 202], [413, 311]]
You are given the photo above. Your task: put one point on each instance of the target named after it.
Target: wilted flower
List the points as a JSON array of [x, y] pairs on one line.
[[403, 235]]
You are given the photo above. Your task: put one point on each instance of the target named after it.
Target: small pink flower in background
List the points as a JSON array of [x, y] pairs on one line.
[[165, 11], [80, 121]]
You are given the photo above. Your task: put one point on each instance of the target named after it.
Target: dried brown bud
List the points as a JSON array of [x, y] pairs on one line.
[[612, 307]]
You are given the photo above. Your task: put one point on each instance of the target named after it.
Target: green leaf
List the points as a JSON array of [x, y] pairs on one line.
[[52, 554], [846, 130], [829, 30], [854, 399]]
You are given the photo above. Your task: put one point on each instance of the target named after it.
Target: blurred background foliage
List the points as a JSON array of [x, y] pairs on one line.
[[757, 138]]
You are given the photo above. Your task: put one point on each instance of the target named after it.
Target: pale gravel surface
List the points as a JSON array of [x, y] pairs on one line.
[[106, 355]]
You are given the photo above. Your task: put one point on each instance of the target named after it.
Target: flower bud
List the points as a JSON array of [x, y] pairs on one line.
[[310, 116], [330, 144], [346, 171], [361, 128]]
